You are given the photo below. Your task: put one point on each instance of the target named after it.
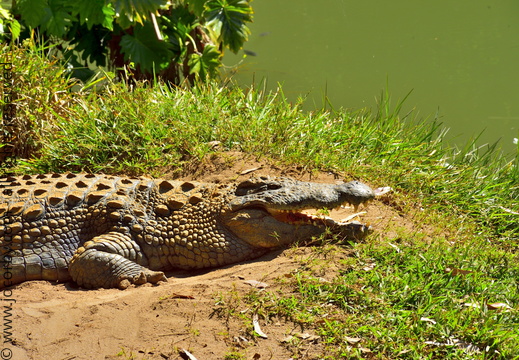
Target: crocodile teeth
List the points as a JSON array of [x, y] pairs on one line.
[[298, 218], [346, 205], [352, 216], [382, 190]]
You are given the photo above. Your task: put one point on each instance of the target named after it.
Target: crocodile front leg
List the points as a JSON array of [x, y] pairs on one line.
[[111, 260]]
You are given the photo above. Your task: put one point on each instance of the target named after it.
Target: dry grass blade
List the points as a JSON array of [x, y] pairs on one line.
[[186, 355], [257, 328]]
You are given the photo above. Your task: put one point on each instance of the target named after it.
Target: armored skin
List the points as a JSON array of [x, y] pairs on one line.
[[110, 231]]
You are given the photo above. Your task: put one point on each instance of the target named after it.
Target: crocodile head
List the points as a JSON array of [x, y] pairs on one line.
[[267, 212]]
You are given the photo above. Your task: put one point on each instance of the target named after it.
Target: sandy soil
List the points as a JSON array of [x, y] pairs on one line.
[[60, 321]]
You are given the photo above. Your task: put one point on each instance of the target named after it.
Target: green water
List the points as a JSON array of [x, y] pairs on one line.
[[459, 58]]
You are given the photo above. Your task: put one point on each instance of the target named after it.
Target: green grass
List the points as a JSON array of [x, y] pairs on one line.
[[388, 302], [407, 304]]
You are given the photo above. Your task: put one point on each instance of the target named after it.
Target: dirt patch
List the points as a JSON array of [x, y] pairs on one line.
[[58, 321]]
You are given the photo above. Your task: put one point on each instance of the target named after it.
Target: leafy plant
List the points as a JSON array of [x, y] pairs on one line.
[[175, 40], [8, 25]]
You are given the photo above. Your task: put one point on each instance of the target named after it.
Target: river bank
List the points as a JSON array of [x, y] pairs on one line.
[[437, 279]]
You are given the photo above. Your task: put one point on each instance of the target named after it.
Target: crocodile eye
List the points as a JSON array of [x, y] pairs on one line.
[[248, 188]]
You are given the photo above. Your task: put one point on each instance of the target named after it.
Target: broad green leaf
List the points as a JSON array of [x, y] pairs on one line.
[[144, 49], [7, 20], [124, 21], [57, 18], [14, 27], [90, 43], [108, 16], [226, 20], [205, 64], [5, 13], [32, 11], [93, 12], [178, 25], [197, 6], [137, 10]]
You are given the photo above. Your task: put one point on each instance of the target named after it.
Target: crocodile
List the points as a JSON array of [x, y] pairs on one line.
[[104, 231]]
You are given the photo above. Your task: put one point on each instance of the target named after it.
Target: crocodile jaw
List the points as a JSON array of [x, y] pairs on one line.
[[266, 212], [293, 195], [270, 228]]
